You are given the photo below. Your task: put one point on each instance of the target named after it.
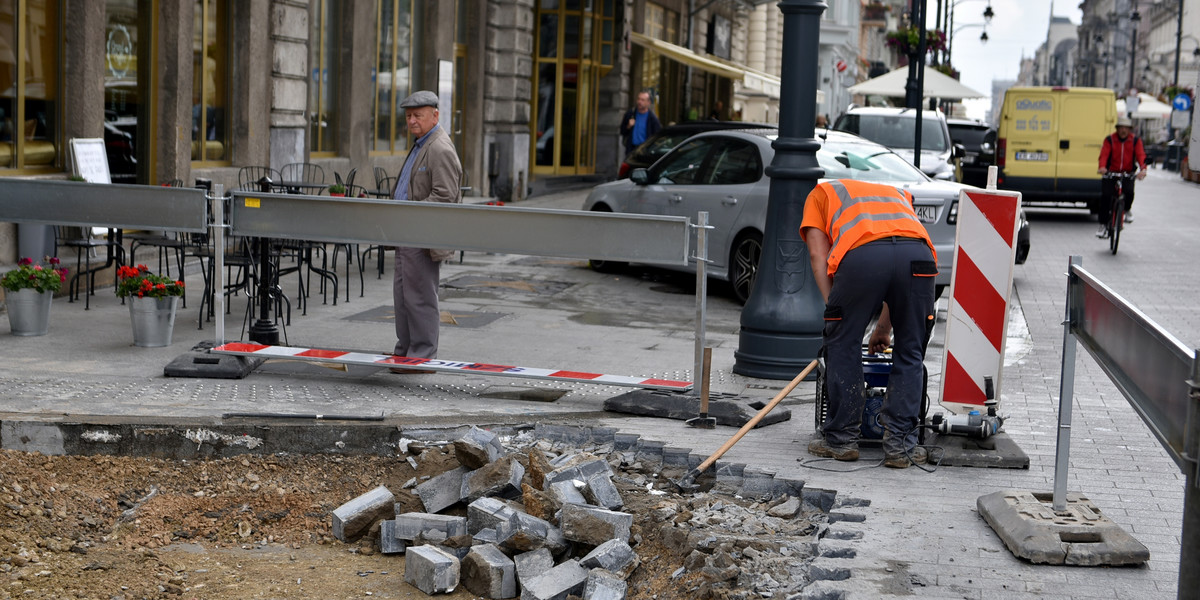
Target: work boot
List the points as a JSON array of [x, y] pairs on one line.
[[819, 447], [1128, 216], [1102, 233], [916, 456]]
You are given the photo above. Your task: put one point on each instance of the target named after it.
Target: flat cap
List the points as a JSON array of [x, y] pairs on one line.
[[421, 98]]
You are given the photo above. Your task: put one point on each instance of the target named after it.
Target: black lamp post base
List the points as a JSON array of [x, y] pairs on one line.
[[775, 354], [264, 332]]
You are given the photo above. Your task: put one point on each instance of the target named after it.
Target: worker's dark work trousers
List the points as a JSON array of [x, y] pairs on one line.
[[899, 271]]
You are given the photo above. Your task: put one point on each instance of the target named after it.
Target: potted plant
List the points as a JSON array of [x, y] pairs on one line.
[[153, 300], [28, 290], [337, 189]]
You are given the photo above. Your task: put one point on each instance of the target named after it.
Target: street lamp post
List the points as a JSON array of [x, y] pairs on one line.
[[1136, 18], [783, 319]]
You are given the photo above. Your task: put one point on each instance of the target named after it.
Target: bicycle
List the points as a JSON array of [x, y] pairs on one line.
[[1116, 212]]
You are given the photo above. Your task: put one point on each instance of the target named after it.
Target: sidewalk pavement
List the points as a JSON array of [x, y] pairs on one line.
[[922, 536]]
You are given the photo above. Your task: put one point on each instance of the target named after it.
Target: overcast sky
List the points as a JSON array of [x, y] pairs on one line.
[[1018, 28]]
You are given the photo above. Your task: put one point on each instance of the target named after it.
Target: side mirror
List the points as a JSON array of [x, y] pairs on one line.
[[640, 176], [958, 152]]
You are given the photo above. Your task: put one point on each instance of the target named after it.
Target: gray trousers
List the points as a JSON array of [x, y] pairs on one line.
[[896, 271], [415, 298]]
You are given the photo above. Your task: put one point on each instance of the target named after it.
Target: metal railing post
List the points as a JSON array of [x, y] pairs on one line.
[[1189, 550], [701, 296], [217, 204], [1066, 392]]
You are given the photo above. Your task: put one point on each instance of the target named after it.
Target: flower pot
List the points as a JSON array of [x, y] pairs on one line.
[[28, 311], [153, 320]]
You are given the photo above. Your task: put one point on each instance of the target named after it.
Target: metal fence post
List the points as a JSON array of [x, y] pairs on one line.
[[1189, 550], [217, 204], [1066, 392], [701, 296]]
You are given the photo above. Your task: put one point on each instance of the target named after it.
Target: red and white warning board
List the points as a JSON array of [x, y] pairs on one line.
[[442, 366], [980, 287]]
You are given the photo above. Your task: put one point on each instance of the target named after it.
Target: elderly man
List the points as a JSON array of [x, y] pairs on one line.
[[431, 173], [639, 122]]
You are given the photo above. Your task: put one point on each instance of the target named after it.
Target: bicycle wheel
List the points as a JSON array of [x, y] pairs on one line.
[[1116, 223]]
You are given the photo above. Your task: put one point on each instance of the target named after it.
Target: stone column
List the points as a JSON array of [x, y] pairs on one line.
[[83, 73], [250, 65], [289, 82], [173, 98], [508, 92], [355, 59]]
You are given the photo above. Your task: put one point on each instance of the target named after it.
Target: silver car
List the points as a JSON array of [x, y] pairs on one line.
[[723, 172]]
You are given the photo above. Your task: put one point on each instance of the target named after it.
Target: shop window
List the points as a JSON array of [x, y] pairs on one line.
[[322, 89], [660, 74], [28, 87], [210, 83], [393, 51], [121, 93]]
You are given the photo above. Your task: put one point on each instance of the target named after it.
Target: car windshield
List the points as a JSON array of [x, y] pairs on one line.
[[865, 163], [895, 131]]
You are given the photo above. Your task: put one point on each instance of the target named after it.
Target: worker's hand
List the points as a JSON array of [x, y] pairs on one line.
[[631, 123], [879, 341], [1141, 175], [1102, 171]]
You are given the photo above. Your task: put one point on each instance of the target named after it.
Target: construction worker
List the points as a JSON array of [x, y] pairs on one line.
[[868, 248]]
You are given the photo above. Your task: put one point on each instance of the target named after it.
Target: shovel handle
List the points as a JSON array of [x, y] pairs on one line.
[[758, 417], [706, 371]]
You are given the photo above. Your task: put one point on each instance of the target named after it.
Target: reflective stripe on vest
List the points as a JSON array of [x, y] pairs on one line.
[[847, 201]]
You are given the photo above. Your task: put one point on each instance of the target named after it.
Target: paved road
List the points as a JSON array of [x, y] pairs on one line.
[[922, 536]]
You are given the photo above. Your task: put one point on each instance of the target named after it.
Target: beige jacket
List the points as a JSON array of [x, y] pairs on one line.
[[436, 177]]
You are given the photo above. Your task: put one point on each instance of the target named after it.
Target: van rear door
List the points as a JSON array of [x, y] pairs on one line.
[[1085, 119], [1032, 145]]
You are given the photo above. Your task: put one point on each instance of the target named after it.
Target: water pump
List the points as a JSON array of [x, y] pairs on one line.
[[973, 424]]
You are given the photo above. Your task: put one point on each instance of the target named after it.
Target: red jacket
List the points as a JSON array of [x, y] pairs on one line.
[[1120, 156]]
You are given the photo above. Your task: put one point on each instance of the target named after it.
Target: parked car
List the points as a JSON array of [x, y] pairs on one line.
[[672, 135], [979, 149], [893, 127], [723, 172]]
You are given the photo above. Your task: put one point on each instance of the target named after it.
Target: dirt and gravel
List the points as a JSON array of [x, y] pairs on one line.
[[110, 527]]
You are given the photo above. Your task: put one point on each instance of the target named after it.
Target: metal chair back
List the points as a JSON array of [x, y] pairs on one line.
[[306, 172]]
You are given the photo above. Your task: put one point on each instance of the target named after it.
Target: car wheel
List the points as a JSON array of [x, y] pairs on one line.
[[743, 264], [605, 266]]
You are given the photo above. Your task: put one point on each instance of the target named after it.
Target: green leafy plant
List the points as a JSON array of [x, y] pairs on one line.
[[337, 188], [139, 282], [908, 39], [76, 178], [27, 275]]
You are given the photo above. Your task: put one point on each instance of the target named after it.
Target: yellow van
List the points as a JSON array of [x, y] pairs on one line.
[[1048, 143]]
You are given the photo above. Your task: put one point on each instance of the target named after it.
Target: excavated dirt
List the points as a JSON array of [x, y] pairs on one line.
[[109, 527]]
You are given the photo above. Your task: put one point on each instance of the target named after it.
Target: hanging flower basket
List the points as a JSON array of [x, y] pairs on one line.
[[907, 40]]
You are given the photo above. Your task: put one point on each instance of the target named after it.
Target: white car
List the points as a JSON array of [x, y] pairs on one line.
[[723, 172], [893, 127]]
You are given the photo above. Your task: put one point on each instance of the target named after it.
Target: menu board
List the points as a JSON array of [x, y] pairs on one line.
[[89, 160]]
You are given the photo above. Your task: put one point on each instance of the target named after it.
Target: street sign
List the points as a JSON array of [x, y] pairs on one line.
[[1182, 102]]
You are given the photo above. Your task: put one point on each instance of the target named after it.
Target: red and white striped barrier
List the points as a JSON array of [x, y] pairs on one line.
[[443, 366], [980, 287]]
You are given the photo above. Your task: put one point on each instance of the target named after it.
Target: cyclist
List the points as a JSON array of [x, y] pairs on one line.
[[1122, 152]]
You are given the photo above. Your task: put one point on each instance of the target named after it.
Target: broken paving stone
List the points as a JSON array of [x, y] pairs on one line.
[[539, 465], [568, 578], [786, 509], [355, 517], [526, 532], [388, 542], [601, 491], [593, 525], [486, 571], [489, 513], [614, 556], [431, 569], [531, 565], [500, 479], [602, 585], [477, 448], [443, 491], [431, 527], [538, 503]]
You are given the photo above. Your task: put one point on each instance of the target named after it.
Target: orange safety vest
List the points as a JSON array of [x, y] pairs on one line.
[[853, 213]]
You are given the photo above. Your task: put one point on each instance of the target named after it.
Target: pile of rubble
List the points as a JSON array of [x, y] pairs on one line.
[[547, 522]]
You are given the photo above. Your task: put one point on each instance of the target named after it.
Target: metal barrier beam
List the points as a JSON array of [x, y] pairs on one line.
[[481, 228], [1148, 365], [114, 206]]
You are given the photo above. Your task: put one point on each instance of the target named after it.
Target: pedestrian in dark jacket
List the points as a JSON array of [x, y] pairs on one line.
[[639, 123]]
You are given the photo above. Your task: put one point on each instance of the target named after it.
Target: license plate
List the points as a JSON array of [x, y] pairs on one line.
[[927, 214], [969, 158], [1038, 156]]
